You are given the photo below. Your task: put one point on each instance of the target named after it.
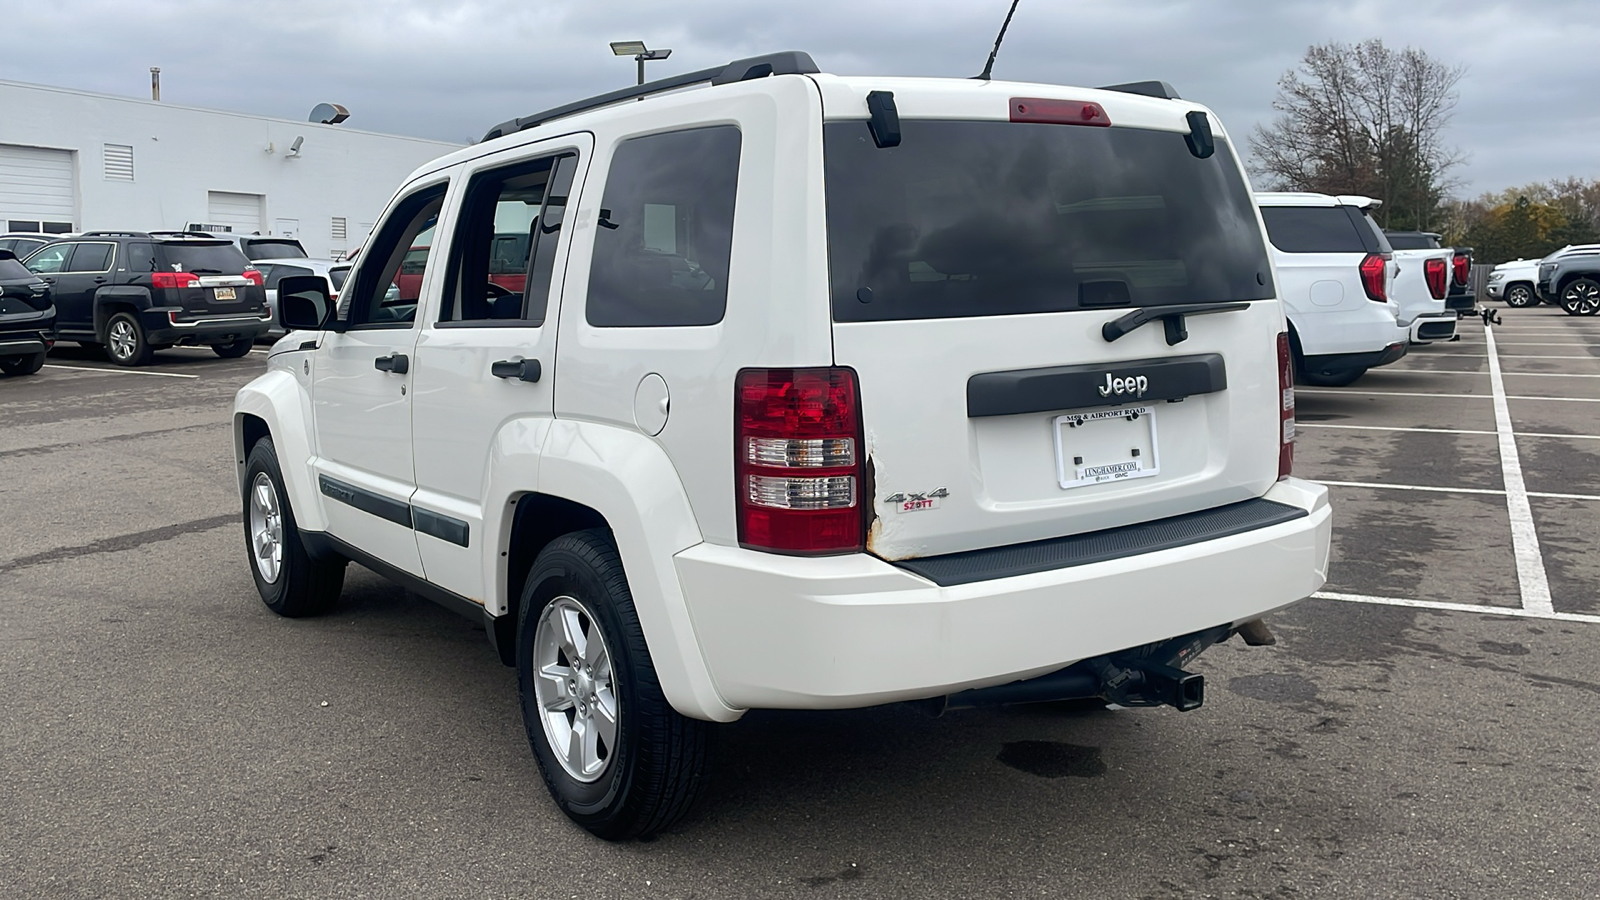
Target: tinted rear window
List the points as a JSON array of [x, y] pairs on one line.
[[1313, 229], [1403, 241], [274, 250], [206, 259], [997, 218]]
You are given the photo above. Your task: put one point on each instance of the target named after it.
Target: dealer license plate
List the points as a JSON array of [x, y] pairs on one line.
[[1095, 447], [225, 294]]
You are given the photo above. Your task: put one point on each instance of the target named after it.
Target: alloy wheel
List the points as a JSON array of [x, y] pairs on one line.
[[1519, 296], [122, 339], [266, 528], [1582, 299], [575, 689]]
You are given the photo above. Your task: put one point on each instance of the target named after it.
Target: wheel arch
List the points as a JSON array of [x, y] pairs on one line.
[[276, 406], [109, 301]]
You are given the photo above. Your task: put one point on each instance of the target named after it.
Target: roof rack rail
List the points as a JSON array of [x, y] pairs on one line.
[[787, 62], [196, 234], [1157, 89], [131, 234]]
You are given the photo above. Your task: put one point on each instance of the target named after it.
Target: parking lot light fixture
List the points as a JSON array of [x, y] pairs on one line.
[[639, 52]]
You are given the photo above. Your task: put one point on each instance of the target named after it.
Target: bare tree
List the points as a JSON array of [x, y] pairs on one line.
[[1366, 120]]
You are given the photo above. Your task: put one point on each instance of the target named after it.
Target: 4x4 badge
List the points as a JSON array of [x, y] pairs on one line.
[[916, 501]]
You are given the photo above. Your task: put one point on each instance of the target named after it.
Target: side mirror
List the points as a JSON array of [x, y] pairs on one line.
[[303, 303]]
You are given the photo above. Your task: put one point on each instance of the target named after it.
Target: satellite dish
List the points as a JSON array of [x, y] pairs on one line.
[[329, 113]]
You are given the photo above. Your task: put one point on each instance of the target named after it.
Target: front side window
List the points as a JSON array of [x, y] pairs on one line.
[[662, 251], [388, 283], [50, 260], [505, 246], [987, 218]]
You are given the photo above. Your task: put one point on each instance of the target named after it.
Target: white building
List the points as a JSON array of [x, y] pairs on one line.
[[77, 161]]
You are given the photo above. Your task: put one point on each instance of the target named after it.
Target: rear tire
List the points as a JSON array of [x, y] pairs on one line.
[[22, 365], [125, 341], [1519, 296], [290, 582], [649, 772], [234, 350], [1581, 297]]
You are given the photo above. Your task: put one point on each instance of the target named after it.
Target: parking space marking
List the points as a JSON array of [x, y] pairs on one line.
[[119, 371], [1459, 607], [1509, 374], [1347, 393], [1531, 579], [1535, 434], [1437, 489], [1480, 356]]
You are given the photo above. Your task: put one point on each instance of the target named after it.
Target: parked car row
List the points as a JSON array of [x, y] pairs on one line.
[[1569, 278]]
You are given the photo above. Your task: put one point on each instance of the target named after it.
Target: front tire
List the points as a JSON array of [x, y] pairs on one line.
[[125, 341], [234, 350], [617, 758], [1519, 296], [1581, 297], [290, 582], [22, 365]]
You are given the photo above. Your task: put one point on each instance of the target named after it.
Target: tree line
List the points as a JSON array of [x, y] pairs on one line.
[[1369, 119]]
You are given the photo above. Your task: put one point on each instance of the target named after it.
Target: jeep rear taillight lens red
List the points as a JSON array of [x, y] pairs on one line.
[[798, 461], [1434, 271], [174, 279], [1462, 263], [1373, 271], [1285, 407]]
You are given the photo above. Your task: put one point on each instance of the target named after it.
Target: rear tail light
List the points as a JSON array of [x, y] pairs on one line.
[[1434, 270], [1463, 267], [255, 277], [1374, 269], [1058, 112], [1285, 407], [797, 461], [174, 279]]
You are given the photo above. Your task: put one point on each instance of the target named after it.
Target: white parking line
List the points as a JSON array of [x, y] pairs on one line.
[[1460, 607], [1532, 434], [1347, 392], [1531, 578], [119, 371], [1469, 372], [1434, 489], [1503, 356]]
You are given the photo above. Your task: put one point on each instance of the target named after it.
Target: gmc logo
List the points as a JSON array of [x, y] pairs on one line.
[[1133, 384]]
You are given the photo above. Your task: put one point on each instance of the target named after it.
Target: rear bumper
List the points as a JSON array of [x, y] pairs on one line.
[[1335, 363], [1370, 327], [1462, 302], [1428, 329], [841, 632], [160, 328], [23, 344]]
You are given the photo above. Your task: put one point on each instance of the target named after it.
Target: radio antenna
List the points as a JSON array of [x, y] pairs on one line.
[[989, 66]]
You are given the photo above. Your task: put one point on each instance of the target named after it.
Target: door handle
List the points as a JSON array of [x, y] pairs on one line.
[[99, 281], [520, 369], [394, 362]]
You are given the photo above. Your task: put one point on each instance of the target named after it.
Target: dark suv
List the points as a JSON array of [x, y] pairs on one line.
[[136, 292], [27, 320]]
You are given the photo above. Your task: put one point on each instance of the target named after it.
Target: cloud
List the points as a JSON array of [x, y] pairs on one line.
[[450, 71]]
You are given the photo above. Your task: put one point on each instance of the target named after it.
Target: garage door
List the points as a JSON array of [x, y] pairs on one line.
[[242, 211], [36, 187]]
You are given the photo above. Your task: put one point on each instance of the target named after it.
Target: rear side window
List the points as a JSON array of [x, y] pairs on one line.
[[91, 257], [1000, 218], [337, 276], [201, 258], [141, 257], [662, 250], [1316, 229]]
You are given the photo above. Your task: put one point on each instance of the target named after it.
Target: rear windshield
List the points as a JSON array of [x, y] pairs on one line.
[[202, 258], [274, 250], [1000, 218], [1322, 229], [1411, 241]]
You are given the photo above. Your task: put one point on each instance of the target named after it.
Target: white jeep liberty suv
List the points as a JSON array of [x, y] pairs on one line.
[[805, 392]]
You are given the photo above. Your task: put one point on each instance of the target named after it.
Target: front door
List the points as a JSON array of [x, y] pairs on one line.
[[361, 392], [485, 366]]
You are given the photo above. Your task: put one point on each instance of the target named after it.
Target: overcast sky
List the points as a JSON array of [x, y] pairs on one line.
[[1528, 109]]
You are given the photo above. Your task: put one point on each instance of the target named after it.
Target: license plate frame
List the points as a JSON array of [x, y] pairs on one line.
[[224, 293], [1085, 456]]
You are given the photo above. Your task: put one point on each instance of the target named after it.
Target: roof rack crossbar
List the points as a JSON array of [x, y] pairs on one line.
[[787, 62], [1157, 89]]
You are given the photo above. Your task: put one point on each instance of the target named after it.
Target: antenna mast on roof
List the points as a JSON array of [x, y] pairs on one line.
[[988, 66]]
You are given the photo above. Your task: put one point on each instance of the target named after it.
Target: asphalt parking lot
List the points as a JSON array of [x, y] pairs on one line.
[[1425, 727]]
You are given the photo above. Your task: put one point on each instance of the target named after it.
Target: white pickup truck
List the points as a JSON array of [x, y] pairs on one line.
[[1421, 282]]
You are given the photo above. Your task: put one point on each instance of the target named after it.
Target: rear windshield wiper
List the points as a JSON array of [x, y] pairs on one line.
[[1171, 318]]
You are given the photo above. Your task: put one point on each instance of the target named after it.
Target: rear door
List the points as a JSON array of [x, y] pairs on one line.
[[974, 270]]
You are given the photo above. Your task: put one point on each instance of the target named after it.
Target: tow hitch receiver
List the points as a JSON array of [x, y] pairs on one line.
[[1151, 675]]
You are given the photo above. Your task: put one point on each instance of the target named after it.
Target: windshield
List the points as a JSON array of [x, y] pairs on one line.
[[201, 258], [274, 250], [1000, 218]]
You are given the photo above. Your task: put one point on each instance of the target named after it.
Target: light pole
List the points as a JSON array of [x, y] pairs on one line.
[[639, 52]]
